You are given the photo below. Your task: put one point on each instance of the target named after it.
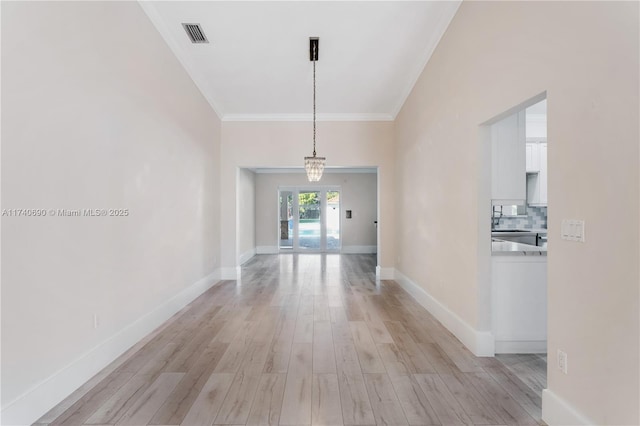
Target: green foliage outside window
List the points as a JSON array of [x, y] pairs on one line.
[[309, 205]]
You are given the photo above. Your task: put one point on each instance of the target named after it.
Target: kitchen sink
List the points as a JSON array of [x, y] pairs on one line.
[[510, 230]]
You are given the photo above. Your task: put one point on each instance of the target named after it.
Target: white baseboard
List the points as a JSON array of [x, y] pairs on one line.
[[481, 343], [384, 273], [267, 250], [247, 255], [42, 397], [521, 347], [230, 273], [359, 249], [557, 411]]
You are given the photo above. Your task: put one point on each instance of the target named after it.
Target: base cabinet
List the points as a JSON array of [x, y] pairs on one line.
[[519, 303]]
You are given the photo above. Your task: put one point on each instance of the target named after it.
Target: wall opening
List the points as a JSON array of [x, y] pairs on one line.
[[512, 207]]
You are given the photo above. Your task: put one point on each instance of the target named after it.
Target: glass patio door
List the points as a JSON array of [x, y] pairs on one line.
[[286, 207], [309, 220], [333, 219], [303, 223]]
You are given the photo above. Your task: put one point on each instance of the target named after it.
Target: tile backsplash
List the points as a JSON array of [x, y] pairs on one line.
[[536, 218]]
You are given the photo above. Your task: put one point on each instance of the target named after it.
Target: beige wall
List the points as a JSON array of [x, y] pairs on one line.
[[110, 119], [358, 193], [246, 213], [285, 144], [494, 56], [96, 113]]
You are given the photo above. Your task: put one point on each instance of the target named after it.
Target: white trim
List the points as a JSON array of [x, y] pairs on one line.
[[308, 117], [327, 170], [557, 411], [267, 250], [230, 273], [521, 347], [447, 17], [481, 343], [247, 255], [38, 400], [384, 273], [359, 249]]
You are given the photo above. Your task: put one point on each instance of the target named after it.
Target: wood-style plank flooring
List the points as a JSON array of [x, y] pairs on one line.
[[306, 339]]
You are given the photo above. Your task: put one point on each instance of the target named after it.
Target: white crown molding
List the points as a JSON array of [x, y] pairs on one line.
[[307, 117], [200, 82], [301, 170], [443, 24]]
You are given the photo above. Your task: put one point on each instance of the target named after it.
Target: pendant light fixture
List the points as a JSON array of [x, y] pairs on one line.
[[314, 165]]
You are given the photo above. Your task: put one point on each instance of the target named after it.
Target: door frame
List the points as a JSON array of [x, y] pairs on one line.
[[485, 345], [323, 189]]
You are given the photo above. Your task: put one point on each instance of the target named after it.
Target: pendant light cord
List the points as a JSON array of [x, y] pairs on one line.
[[314, 100]]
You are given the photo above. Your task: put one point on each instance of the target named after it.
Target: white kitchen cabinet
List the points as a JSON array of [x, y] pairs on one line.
[[533, 157], [543, 174], [519, 303], [537, 121], [537, 183], [508, 160]]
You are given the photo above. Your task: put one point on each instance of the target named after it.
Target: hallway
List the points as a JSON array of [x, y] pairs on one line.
[[306, 339]]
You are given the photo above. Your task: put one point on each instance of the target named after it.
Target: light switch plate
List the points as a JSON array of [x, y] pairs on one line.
[[572, 230]]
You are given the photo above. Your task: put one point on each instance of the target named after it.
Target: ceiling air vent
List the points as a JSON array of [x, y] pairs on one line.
[[195, 33]]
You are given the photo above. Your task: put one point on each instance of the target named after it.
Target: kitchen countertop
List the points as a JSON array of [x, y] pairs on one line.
[[509, 248], [538, 230], [533, 231]]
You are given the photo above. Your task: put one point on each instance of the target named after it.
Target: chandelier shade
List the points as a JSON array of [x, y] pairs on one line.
[[314, 167]]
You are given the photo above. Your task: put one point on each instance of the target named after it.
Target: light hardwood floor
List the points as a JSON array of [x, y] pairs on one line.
[[306, 339]]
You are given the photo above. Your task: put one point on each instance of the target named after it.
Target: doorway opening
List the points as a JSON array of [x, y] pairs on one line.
[[309, 219], [512, 235], [512, 231]]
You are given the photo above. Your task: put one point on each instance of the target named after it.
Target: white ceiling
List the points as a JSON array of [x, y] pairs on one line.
[[256, 65]]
